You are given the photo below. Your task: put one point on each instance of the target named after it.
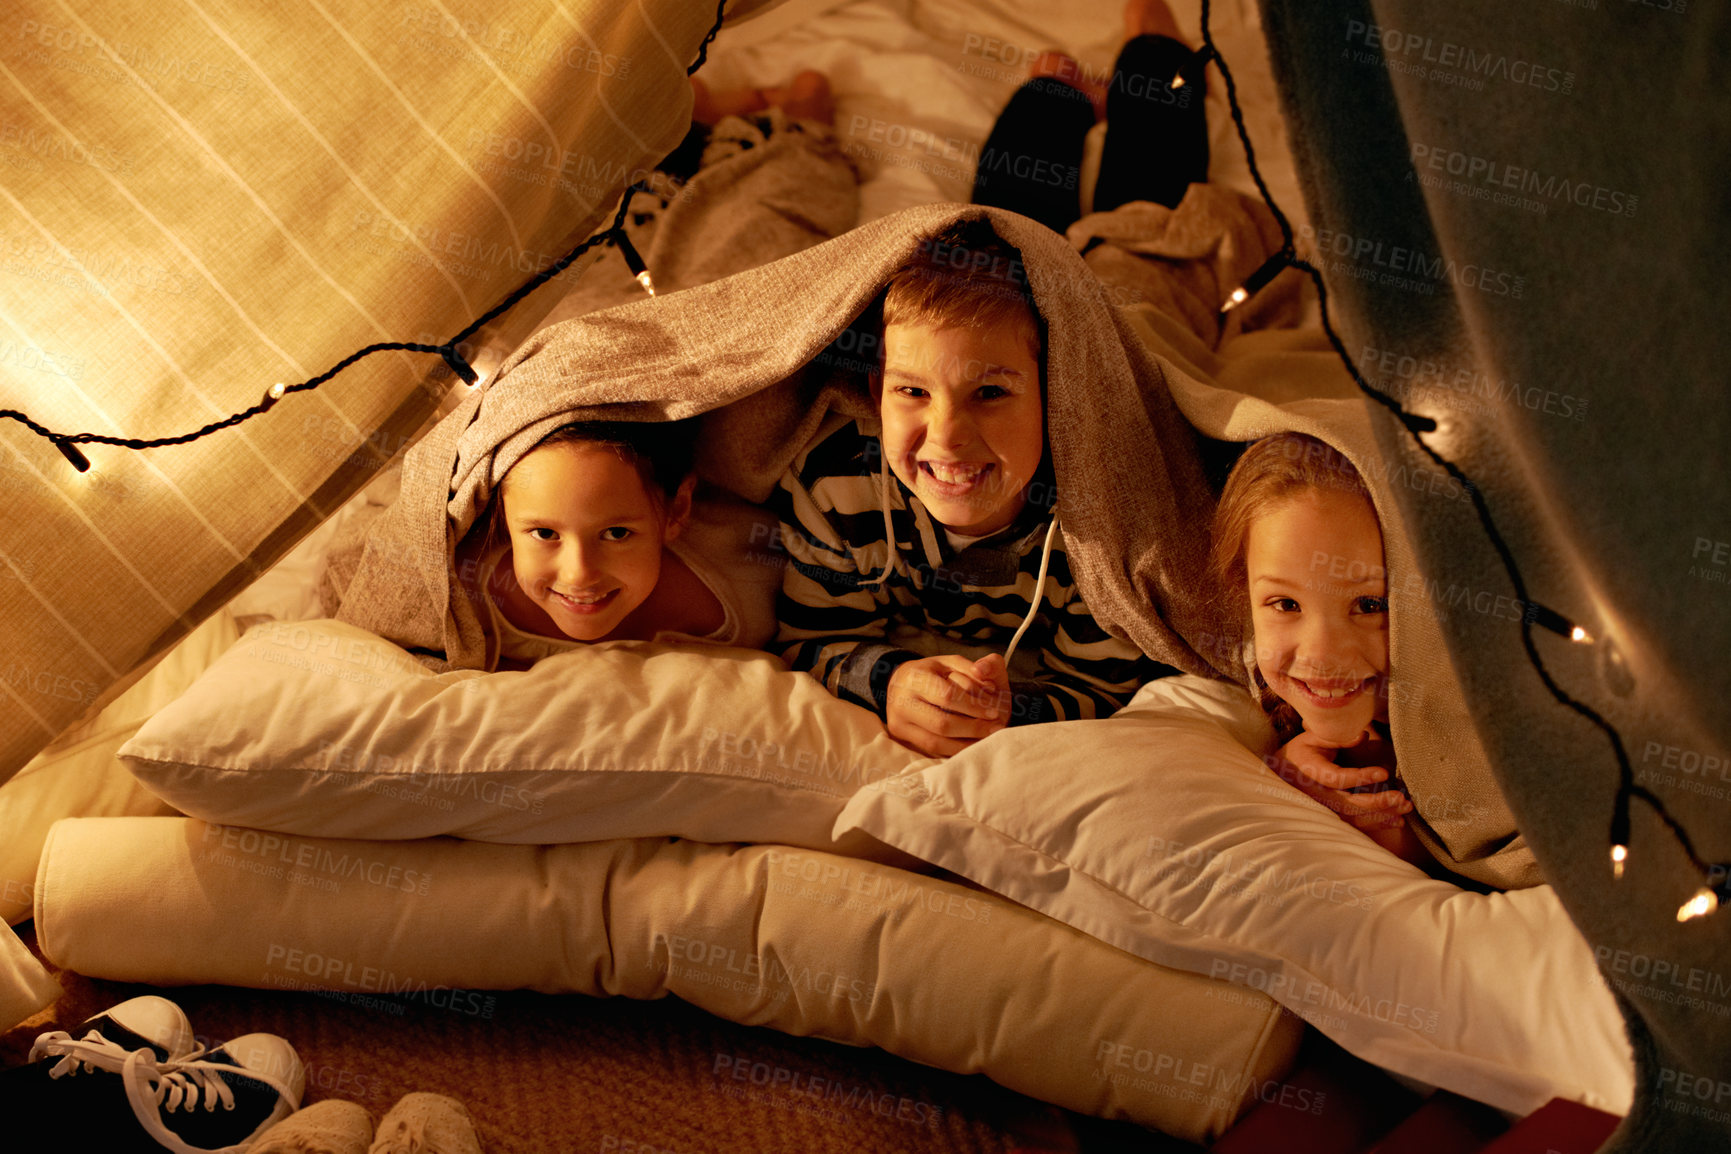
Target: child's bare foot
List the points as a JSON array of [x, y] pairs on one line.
[[806, 97], [1149, 18], [1061, 66]]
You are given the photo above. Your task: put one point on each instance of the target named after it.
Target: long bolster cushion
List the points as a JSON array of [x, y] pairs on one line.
[[1160, 832], [324, 729], [801, 941]]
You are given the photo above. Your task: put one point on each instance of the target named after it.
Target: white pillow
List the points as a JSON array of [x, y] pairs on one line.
[[1157, 832], [325, 729]]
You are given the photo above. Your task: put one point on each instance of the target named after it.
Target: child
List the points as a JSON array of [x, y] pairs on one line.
[[587, 540], [935, 524], [1298, 554]]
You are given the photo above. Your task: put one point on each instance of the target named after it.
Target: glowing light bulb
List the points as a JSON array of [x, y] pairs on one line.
[[1703, 903], [1619, 855], [277, 390], [1579, 635]]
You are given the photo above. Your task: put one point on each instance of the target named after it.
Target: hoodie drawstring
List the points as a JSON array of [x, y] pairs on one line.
[[1039, 581], [1039, 591]]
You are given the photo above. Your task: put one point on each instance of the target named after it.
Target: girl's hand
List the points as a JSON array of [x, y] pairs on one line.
[[940, 705], [1307, 762]]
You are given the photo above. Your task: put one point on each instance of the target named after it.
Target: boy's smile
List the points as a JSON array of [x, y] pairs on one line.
[[963, 419]]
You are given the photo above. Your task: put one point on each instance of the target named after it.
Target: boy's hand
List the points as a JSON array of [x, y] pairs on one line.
[[1308, 763], [940, 705]]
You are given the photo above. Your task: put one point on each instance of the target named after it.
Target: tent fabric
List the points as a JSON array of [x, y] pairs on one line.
[[200, 201], [1520, 213]]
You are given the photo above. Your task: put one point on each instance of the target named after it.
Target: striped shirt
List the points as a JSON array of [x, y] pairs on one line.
[[836, 614]]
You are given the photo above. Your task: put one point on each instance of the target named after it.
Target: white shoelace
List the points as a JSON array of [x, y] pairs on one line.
[[87, 1054], [152, 1085], [183, 1084]]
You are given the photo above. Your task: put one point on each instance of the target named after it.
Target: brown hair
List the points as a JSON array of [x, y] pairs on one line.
[[965, 277], [663, 453], [1271, 471]]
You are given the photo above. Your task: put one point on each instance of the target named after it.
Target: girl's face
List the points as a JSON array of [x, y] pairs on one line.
[[586, 537], [1319, 608]]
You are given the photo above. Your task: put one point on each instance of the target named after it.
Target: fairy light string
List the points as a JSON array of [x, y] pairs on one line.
[[67, 443], [1716, 877]]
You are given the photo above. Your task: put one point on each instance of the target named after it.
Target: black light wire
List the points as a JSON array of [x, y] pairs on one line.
[[67, 443], [1628, 789], [1415, 424]]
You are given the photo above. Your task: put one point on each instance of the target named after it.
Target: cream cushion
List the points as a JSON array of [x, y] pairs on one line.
[[321, 728], [1160, 832], [78, 775], [203, 200], [800, 941]]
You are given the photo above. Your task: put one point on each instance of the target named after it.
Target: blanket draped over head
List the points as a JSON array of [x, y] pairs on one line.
[[1135, 384]]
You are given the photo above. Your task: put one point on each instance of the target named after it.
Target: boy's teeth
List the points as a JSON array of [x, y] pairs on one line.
[[953, 474]]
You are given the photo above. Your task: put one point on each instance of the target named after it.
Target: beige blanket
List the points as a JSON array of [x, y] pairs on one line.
[[1136, 365]]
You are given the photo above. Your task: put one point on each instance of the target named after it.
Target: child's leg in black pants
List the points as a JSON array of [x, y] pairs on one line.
[[1032, 161], [1156, 134], [1156, 138]]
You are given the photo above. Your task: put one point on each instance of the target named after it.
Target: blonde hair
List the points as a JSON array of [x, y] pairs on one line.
[[1270, 472]]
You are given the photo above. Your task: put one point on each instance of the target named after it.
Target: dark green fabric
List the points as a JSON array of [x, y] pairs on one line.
[[1583, 361]]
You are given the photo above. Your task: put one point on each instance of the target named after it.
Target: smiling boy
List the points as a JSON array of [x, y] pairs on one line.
[[943, 548]]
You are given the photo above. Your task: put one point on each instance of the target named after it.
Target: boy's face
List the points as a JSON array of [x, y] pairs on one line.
[[963, 419]]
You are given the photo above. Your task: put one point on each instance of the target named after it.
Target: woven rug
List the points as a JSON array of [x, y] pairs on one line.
[[544, 1074]]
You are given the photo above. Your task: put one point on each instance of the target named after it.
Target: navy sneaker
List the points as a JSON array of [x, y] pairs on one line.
[[72, 1075], [137, 1083], [215, 1102]]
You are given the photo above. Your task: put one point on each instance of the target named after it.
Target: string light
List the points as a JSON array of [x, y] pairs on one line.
[[71, 453], [1258, 280], [639, 270], [1709, 897], [67, 443], [1716, 889]]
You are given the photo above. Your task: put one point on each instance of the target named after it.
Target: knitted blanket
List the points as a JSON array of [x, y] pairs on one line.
[[1139, 378]]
